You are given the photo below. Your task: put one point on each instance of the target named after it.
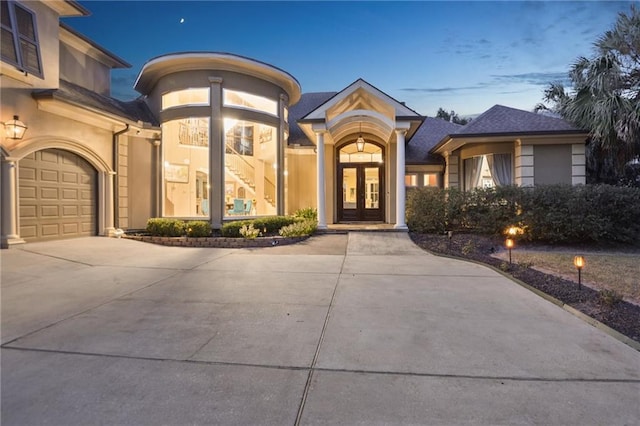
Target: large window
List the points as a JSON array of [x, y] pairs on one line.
[[235, 98], [186, 97], [251, 167], [185, 145], [420, 179], [20, 38], [487, 171]]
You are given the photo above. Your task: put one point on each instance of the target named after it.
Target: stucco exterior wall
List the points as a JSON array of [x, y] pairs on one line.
[[301, 174], [141, 189], [80, 69]]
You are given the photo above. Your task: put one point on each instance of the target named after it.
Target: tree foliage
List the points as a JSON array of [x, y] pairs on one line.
[[605, 98], [451, 116]]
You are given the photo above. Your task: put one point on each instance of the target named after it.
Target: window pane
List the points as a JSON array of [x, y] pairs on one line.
[[186, 97], [25, 23], [372, 188], [30, 59], [236, 98], [4, 14], [411, 180], [251, 152], [185, 145], [371, 154], [8, 48], [430, 179]]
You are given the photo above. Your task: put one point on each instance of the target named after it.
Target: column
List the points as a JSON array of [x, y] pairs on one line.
[[400, 187], [9, 203], [108, 197], [578, 164], [216, 155], [524, 164], [322, 219]]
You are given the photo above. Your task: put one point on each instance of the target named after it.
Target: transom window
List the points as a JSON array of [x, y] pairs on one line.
[[196, 96], [238, 99], [20, 38], [370, 154]]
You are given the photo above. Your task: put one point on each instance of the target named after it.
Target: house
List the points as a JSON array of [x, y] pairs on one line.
[[217, 136]]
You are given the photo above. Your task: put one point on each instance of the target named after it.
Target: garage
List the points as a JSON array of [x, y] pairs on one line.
[[57, 191]]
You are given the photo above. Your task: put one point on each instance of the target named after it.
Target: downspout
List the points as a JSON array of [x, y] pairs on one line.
[[116, 181]]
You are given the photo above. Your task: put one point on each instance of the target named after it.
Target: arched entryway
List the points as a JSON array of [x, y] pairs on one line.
[[57, 192], [360, 182]]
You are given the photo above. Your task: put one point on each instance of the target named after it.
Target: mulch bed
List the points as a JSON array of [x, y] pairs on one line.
[[623, 317]]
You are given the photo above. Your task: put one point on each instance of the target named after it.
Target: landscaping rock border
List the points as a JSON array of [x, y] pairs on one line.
[[217, 242]]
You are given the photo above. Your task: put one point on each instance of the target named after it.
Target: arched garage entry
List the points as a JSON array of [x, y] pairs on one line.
[[57, 195]]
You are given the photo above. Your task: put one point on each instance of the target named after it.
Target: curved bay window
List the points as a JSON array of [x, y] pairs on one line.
[[185, 174], [251, 166]]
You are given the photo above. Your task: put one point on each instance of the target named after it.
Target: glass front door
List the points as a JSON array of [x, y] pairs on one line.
[[361, 197]]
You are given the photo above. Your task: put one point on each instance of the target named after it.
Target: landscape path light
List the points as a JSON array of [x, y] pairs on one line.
[[578, 262], [509, 243]]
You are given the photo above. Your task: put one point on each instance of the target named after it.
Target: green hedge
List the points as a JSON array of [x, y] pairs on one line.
[[163, 227], [268, 225], [549, 213], [198, 228]]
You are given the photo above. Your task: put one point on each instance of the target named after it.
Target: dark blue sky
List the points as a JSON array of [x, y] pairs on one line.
[[465, 56]]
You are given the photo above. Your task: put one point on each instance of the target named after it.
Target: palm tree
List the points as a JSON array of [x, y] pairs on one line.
[[605, 98]]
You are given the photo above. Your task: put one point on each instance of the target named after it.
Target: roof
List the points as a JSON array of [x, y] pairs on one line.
[[502, 120], [135, 110], [113, 60], [307, 103], [426, 137]]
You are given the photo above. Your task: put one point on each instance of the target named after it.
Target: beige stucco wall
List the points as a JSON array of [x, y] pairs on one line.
[[84, 71], [141, 190], [301, 179]]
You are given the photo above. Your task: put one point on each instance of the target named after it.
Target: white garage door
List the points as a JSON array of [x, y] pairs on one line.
[[57, 196]]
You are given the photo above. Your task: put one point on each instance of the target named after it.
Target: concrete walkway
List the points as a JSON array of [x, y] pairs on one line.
[[357, 329]]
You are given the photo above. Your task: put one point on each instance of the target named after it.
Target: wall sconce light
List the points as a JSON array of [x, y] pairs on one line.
[[14, 129], [360, 140], [509, 243], [578, 262]]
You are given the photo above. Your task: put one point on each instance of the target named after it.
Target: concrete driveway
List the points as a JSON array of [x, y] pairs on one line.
[[364, 329]]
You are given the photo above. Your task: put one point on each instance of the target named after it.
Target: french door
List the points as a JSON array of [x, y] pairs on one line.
[[360, 192]]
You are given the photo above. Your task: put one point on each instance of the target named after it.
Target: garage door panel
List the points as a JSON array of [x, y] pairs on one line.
[[57, 196], [68, 177], [49, 193], [48, 175], [69, 194], [28, 192]]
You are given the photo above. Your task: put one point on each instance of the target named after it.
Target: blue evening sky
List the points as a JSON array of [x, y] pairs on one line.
[[462, 56]]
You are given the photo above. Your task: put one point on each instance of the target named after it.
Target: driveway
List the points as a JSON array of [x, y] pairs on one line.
[[363, 328]]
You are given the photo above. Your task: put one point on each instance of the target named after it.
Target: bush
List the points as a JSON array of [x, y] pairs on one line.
[[163, 227], [299, 229], [268, 225], [198, 228], [306, 213], [548, 213], [249, 232]]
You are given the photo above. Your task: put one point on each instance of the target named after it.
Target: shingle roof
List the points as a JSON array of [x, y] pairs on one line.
[[135, 110], [426, 137], [307, 103], [504, 120]]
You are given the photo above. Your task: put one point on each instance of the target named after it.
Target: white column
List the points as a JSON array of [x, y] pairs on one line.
[[322, 219], [400, 188], [108, 204], [9, 203]]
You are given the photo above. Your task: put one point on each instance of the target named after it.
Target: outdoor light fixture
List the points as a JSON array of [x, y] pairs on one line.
[[578, 262], [14, 129], [512, 231], [360, 140], [509, 243]]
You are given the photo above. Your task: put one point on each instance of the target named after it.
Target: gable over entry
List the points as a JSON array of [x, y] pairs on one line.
[[360, 110]]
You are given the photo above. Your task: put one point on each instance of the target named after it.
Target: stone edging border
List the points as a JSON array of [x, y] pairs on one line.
[[581, 315], [217, 242]]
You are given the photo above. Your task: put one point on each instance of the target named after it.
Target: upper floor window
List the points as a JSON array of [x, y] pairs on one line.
[[20, 38], [235, 98], [199, 96]]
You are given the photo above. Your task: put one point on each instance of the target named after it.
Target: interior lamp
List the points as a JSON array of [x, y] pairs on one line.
[[14, 129]]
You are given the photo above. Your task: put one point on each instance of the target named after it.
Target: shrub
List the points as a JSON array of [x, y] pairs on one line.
[[610, 298], [268, 225], [249, 232], [426, 209], [163, 227], [299, 229], [198, 228], [306, 213]]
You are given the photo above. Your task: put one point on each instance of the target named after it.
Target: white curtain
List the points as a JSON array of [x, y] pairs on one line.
[[500, 166], [472, 170]]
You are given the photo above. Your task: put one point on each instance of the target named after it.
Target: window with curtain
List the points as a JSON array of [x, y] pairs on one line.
[[487, 171], [19, 41]]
